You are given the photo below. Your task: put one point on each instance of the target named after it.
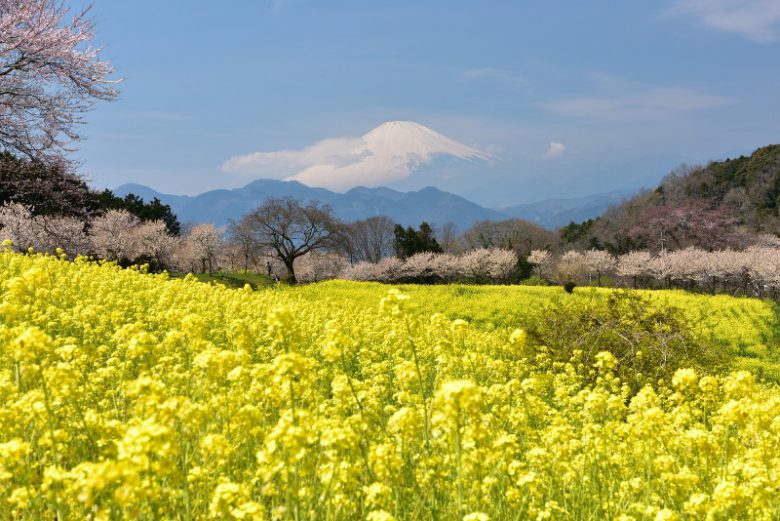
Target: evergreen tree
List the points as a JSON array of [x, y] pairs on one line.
[[409, 241]]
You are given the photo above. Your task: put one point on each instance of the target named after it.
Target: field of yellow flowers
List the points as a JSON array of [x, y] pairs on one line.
[[132, 396]]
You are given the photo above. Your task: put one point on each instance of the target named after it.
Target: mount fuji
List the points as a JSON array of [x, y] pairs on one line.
[[388, 153]]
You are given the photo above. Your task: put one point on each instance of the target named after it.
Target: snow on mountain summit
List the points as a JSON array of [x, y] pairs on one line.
[[387, 153], [407, 138]]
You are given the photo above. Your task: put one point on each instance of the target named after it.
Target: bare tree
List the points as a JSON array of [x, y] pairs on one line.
[[49, 76], [516, 234], [241, 236], [448, 238], [370, 240], [291, 229]]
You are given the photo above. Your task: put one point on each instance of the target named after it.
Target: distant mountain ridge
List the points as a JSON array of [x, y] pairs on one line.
[[554, 213], [410, 209], [430, 204]]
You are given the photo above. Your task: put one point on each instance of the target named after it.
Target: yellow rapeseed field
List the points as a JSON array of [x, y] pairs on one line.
[[132, 396]]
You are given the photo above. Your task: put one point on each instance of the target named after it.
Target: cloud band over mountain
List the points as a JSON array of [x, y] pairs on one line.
[[388, 153]]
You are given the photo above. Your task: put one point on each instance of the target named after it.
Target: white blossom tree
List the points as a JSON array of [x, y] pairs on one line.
[[541, 259], [153, 241], [599, 263], [635, 265], [199, 249], [570, 269], [319, 266], [113, 235], [40, 232]]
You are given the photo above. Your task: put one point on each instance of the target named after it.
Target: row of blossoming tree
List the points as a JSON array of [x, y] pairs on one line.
[[116, 235], [120, 236], [753, 271]]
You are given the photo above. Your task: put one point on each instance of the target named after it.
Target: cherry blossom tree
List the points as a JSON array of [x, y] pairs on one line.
[[199, 249], [541, 259], [570, 269], [154, 242], [50, 75], [113, 236], [634, 265], [446, 266], [317, 266], [599, 263], [42, 233], [419, 267]]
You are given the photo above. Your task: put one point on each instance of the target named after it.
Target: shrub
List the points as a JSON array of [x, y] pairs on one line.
[[649, 341], [534, 280]]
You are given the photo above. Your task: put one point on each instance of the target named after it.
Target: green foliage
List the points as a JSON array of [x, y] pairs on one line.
[[744, 171], [409, 241], [524, 269]]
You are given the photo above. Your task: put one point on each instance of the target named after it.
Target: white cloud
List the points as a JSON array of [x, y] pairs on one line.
[[281, 163], [390, 152], [756, 20], [555, 150], [639, 103]]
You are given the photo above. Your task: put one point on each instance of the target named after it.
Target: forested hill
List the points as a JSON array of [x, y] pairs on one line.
[[731, 203]]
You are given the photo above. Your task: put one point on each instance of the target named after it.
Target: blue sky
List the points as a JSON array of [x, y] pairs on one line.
[[572, 97]]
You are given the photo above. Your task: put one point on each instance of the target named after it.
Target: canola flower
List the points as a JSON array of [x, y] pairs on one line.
[[133, 396]]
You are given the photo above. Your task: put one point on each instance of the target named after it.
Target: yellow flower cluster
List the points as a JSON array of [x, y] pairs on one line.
[[133, 396]]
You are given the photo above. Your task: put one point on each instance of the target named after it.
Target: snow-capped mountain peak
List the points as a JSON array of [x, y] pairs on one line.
[[405, 138], [389, 152]]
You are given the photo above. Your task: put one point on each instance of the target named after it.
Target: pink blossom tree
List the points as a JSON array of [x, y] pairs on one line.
[[50, 75]]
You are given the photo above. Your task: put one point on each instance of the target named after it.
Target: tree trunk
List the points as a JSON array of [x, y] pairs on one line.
[[288, 263]]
